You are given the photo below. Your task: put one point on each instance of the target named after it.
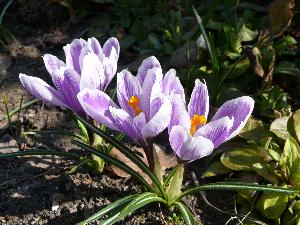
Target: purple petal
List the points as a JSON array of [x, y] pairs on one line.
[[70, 88], [159, 121], [151, 89], [147, 64], [110, 69], [171, 84], [96, 104], [127, 86], [177, 137], [127, 124], [92, 75], [189, 148], [111, 49], [199, 102], [74, 53], [94, 46], [179, 114], [217, 131], [240, 109], [41, 90], [156, 97], [52, 63]]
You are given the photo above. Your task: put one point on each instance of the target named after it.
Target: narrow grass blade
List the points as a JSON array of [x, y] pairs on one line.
[[61, 132], [187, 215], [211, 51], [4, 10], [40, 152], [139, 202], [115, 162], [119, 137], [128, 153], [119, 203], [18, 109], [111, 220], [236, 186]]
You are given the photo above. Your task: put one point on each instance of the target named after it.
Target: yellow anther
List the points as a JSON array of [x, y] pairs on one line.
[[134, 103], [195, 122]]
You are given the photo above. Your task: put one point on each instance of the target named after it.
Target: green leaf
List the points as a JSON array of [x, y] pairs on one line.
[[211, 51], [272, 205], [254, 130], [139, 202], [246, 34], [266, 171], [279, 127], [187, 215], [108, 208], [115, 162], [16, 110], [40, 152], [61, 132], [82, 128], [215, 168], [154, 41], [291, 152], [241, 158], [236, 186], [168, 178], [288, 68], [294, 177], [127, 42], [174, 188], [98, 163], [294, 127], [128, 153], [240, 68]]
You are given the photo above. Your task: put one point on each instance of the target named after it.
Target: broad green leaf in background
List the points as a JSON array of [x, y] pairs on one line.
[[241, 158], [286, 67], [266, 171], [294, 177], [215, 168], [254, 130], [279, 127], [246, 34], [272, 205], [291, 152], [294, 126], [272, 148]]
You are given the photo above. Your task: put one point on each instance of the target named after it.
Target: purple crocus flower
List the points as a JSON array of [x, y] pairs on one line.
[[87, 66], [144, 107], [191, 137]]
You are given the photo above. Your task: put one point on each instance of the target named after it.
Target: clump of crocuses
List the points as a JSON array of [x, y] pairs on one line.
[[87, 65], [148, 103]]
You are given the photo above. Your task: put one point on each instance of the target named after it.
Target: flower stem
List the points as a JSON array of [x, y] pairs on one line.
[[149, 153]]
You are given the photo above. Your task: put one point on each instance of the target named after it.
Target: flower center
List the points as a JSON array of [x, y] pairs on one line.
[[196, 121], [134, 103]]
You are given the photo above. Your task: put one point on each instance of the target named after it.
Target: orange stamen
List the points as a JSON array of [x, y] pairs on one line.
[[134, 103], [196, 121]]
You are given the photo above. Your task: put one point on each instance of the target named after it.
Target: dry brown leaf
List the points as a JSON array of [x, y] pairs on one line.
[[280, 14], [254, 62], [166, 161]]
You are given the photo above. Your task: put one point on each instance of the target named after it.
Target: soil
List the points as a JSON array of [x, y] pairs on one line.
[[39, 190]]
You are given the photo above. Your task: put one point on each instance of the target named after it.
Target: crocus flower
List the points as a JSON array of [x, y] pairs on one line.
[[191, 137], [144, 107], [87, 66]]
